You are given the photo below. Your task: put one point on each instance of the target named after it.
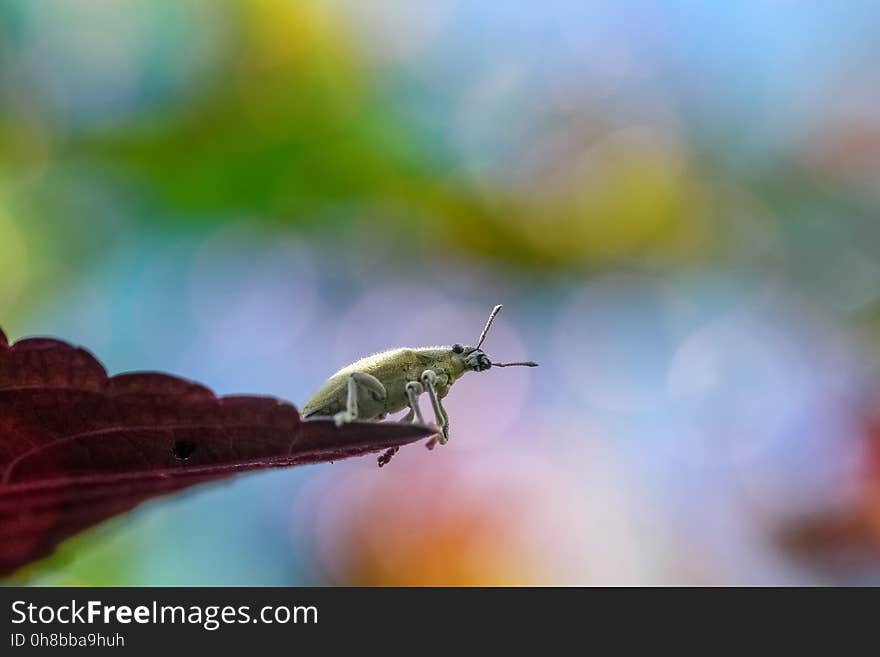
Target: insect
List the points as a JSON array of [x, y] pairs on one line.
[[388, 382]]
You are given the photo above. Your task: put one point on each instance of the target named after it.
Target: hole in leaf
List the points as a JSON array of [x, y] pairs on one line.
[[183, 449]]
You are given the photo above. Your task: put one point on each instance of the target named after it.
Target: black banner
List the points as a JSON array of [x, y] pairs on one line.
[[290, 620]]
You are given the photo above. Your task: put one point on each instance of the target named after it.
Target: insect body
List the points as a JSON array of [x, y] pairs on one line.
[[392, 380]]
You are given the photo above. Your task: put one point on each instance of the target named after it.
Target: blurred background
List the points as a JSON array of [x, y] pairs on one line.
[[676, 201]]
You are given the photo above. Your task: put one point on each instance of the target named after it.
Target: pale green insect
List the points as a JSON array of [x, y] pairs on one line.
[[392, 380]]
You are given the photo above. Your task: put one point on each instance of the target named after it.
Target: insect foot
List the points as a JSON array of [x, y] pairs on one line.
[[386, 457], [343, 417]]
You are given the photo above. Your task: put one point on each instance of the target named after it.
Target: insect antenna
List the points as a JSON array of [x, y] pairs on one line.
[[527, 363], [495, 311]]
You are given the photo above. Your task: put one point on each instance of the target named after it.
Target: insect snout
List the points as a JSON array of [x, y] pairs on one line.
[[478, 361]]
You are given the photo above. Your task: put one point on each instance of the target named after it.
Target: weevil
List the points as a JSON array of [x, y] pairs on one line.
[[390, 381]]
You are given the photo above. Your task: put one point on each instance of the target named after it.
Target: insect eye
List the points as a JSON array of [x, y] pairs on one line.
[[457, 349]]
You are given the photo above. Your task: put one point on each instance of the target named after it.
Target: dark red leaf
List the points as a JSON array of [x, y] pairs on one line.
[[77, 446]]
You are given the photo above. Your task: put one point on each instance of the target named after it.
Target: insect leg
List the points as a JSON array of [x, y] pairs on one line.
[[429, 380], [372, 384], [351, 410], [413, 390], [357, 382]]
